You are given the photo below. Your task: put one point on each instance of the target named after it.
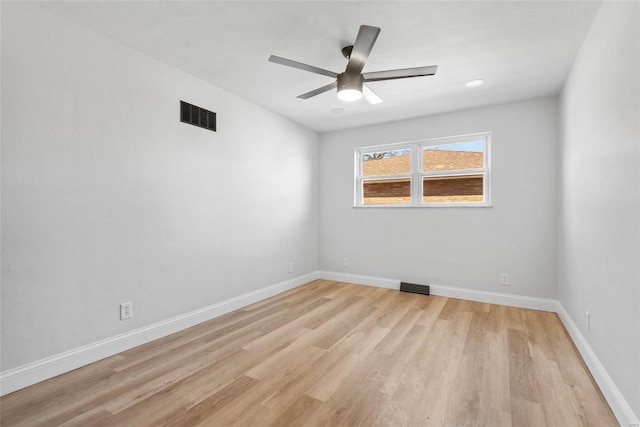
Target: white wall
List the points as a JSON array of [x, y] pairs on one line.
[[463, 247], [107, 197], [599, 229]]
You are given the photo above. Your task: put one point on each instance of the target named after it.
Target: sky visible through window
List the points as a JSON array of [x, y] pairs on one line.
[[475, 146], [384, 154]]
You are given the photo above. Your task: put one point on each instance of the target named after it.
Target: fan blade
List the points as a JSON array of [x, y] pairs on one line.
[[301, 66], [370, 96], [318, 91], [403, 73], [362, 48]]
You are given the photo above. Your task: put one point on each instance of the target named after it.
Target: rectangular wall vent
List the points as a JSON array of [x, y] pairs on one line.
[[197, 116], [416, 289]]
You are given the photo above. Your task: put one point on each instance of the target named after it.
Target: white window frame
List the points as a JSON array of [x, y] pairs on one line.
[[417, 175]]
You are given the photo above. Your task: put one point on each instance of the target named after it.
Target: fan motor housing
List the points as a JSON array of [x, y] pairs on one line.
[[350, 81]]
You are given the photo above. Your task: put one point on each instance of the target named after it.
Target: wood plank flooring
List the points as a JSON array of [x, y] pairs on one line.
[[334, 354]]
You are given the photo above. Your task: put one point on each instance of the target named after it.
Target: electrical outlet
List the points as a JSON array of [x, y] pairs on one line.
[[290, 267], [126, 310], [345, 262], [504, 279], [588, 320]]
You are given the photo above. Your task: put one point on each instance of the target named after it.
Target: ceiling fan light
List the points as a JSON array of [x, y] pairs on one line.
[[349, 95], [350, 87]]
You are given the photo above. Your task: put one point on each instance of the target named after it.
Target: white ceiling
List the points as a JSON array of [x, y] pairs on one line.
[[522, 49]]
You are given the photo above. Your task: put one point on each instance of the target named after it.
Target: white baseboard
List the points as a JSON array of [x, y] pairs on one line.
[[449, 291], [24, 376], [617, 402], [360, 280], [532, 303]]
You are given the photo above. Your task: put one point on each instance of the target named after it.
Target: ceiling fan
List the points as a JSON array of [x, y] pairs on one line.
[[351, 84]]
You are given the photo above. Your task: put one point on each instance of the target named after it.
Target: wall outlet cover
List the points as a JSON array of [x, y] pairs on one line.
[[126, 310]]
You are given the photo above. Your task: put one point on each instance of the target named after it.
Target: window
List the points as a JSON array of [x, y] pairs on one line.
[[438, 172]]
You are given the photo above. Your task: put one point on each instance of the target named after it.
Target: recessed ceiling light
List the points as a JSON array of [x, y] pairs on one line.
[[475, 83]]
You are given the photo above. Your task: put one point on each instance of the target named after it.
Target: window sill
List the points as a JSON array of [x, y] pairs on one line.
[[442, 205]]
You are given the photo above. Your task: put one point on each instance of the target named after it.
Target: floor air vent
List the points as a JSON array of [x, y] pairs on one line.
[[416, 289]]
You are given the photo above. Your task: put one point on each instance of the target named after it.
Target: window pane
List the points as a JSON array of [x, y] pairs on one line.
[[381, 163], [453, 189], [447, 157], [386, 191]]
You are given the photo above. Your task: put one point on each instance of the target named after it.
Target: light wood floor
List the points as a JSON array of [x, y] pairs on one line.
[[334, 354]]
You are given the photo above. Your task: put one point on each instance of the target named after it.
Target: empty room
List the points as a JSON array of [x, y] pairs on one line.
[[320, 213]]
